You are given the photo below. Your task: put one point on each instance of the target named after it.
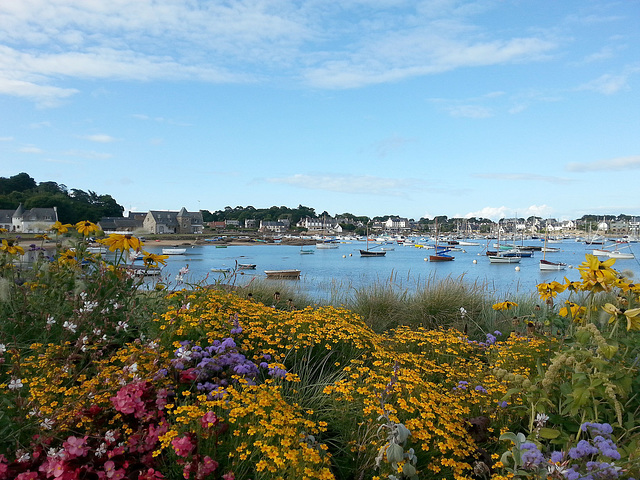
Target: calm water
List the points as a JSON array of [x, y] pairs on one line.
[[331, 272]]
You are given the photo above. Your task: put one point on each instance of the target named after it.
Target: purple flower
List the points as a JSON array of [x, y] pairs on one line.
[[490, 339], [503, 404], [481, 389], [583, 449], [556, 457], [531, 456], [497, 333]]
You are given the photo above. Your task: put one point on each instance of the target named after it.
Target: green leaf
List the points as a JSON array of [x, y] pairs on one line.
[[549, 433]]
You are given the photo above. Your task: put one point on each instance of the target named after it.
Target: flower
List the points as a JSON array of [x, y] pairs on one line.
[[11, 247], [632, 315], [15, 384], [60, 228], [86, 227], [153, 259], [548, 291], [68, 256], [182, 445], [597, 275], [116, 241], [3, 348], [76, 447], [503, 306]]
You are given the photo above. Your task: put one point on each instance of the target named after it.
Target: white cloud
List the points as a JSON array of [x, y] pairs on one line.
[[364, 184], [527, 177], [6, 139], [607, 84], [31, 149], [88, 154], [100, 138], [496, 213], [615, 164]]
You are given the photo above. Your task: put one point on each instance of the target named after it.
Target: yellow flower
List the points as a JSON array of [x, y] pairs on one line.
[[596, 274], [632, 315], [117, 241], [11, 247], [60, 228], [86, 227], [503, 306], [152, 259], [3, 230], [550, 290], [68, 256]]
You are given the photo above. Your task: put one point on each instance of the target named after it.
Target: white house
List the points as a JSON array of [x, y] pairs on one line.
[[36, 220]]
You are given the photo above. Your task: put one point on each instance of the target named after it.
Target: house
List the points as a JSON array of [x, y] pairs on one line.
[[279, 226], [396, 224], [183, 222], [6, 221], [36, 220], [130, 223], [320, 225]]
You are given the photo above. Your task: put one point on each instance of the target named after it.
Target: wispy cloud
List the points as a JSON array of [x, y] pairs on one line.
[[31, 149], [616, 164], [6, 139], [496, 213], [364, 184], [100, 138], [88, 154], [606, 84], [523, 177], [391, 144]]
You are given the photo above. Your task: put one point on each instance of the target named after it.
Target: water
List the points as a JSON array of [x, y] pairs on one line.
[[335, 272]]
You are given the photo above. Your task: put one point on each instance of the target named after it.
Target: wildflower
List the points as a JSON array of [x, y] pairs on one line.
[[70, 326], [11, 248], [15, 384], [116, 241], [47, 424], [541, 420], [209, 420], [632, 315], [22, 456], [531, 456], [60, 228], [76, 447], [50, 320], [3, 348], [122, 326], [463, 312], [481, 389], [572, 310], [556, 457], [86, 227], [68, 256], [503, 306], [153, 259], [547, 291], [597, 275]]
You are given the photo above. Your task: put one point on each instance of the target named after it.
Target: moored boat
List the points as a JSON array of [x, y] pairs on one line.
[[282, 273], [174, 251]]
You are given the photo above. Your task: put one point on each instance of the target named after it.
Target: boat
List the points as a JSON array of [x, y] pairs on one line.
[[99, 249], [174, 251], [282, 273], [547, 265], [326, 245], [306, 251], [141, 271], [371, 253], [246, 266], [500, 256], [617, 254], [440, 254], [221, 269]]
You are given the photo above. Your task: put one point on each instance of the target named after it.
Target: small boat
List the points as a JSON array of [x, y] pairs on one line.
[[246, 266], [221, 269], [174, 251], [546, 265], [326, 245], [140, 271], [440, 254], [371, 253], [306, 251], [99, 249], [500, 256], [282, 273]]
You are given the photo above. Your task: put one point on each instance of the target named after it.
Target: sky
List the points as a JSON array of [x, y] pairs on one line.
[[487, 108]]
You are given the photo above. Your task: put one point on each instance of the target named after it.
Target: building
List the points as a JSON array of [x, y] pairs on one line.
[[36, 220], [396, 224], [279, 226], [131, 223], [183, 222]]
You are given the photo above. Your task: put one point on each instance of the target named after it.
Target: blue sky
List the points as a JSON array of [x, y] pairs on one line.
[[484, 108]]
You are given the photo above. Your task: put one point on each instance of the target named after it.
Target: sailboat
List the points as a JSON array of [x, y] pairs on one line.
[[548, 265], [371, 253], [500, 257], [440, 254]]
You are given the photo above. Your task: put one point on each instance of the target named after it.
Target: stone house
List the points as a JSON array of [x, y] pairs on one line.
[[164, 221], [36, 220]]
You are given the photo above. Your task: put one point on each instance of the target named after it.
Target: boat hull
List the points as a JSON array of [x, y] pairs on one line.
[[440, 258], [501, 259], [371, 253], [174, 251], [293, 274], [546, 265]]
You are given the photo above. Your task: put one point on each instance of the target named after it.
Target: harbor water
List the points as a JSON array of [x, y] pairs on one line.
[[330, 274]]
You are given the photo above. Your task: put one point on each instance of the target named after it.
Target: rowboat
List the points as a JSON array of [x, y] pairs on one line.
[[174, 251], [282, 273], [246, 266]]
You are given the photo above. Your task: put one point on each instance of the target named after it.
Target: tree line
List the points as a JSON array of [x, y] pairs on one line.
[[73, 205]]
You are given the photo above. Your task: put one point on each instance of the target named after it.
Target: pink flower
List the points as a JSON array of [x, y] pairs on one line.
[[27, 476], [182, 446], [228, 476], [150, 474], [76, 447], [209, 465], [113, 473], [209, 420], [129, 399]]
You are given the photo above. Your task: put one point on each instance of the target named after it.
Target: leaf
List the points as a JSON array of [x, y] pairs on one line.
[[549, 433], [509, 436]]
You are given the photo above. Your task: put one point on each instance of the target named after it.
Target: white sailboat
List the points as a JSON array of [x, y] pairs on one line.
[[547, 265], [500, 257]]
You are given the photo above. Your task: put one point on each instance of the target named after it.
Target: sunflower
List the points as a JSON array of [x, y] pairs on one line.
[[152, 259], [573, 310], [11, 247], [86, 227], [60, 228], [117, 241], [632, 316], [3, 230], [598, 275], [503, 306]]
